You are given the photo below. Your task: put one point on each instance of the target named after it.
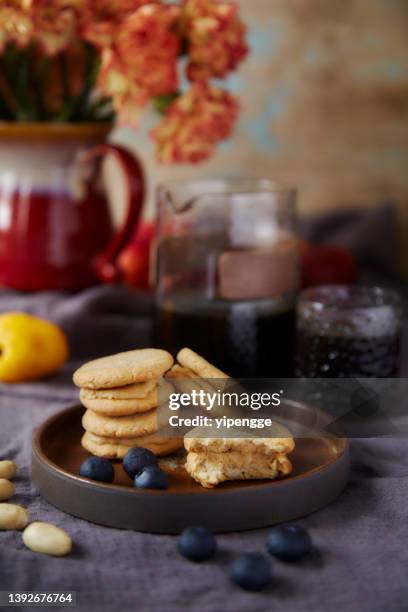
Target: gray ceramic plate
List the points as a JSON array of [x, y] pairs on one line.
[[320, 471]]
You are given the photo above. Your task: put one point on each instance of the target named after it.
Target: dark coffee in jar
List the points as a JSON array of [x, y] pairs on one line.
[[251, 338]]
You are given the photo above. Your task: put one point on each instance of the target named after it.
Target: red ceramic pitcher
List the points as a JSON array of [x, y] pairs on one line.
[[56, 230]]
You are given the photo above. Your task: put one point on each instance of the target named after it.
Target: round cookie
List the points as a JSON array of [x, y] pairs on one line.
[[120, 427], [202, 368], [119, 407], [133, 391], [118, 450], [123, 369], [156, 439]]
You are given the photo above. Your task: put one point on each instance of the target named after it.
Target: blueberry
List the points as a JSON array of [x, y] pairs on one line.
[[197, 544], [289, 542], [136, 459], [97, 468], [251, 572], [152, 477]]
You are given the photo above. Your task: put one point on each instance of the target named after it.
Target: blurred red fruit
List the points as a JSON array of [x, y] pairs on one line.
[[133, 262], [328, 265], [304, 247]]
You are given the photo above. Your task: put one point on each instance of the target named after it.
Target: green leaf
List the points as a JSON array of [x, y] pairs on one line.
[[162, 103]]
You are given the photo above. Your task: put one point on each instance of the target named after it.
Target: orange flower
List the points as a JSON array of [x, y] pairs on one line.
[[138, 43], [194, 123], [51, 23], [15, 24], [216, 38], [54, 24], [142, 61], [127, 96], [149, 48], [100, 19]]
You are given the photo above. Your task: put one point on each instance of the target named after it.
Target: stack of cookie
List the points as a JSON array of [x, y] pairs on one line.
[[120, 395], [211, 461]]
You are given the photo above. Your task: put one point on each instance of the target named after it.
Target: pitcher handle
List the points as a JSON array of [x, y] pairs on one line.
[[105, 262]]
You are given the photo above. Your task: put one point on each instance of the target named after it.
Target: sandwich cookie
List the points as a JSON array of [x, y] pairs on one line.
[[280, 442], [210, 469], [243, 456]]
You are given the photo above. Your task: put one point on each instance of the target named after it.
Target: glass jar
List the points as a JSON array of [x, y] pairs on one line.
[[228, 273]]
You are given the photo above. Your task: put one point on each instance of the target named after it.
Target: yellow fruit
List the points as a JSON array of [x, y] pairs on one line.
[[30, 347]]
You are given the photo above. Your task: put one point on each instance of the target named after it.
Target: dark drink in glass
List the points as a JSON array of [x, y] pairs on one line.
[[252, 339], [345, 332], [227, 274]]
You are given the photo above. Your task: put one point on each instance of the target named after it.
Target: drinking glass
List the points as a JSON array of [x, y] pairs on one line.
[[348, 331], [227, 273]]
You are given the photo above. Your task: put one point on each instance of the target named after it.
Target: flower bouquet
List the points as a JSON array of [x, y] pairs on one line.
[[94, 60]]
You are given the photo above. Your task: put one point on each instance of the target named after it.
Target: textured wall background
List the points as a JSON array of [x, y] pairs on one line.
[[325, 104]]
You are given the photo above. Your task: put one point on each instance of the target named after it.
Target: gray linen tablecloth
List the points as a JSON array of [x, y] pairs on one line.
[[361, 557]]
